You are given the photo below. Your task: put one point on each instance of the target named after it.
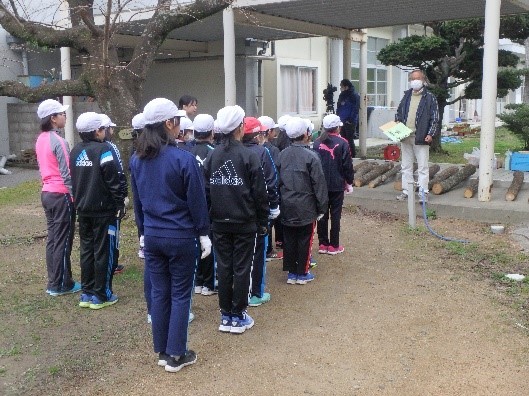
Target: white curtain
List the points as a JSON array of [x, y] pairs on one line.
[[306, 90], [289, 88]]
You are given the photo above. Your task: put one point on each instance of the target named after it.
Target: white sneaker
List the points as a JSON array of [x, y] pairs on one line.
[[206, 291], [198, 289], [402, 197]]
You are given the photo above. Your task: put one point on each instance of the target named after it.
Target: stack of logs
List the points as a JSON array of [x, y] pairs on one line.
[[373, 174], [28, 156]]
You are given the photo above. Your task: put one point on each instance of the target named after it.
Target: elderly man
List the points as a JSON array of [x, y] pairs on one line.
[[419, 111]]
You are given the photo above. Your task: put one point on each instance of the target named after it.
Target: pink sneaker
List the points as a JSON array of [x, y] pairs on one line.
[[335, 250], [323, 249]]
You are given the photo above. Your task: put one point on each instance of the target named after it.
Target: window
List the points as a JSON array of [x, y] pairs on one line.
[[377, 73], [298, 89]]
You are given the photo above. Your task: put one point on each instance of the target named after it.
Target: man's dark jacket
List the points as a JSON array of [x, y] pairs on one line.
[[427, 118]]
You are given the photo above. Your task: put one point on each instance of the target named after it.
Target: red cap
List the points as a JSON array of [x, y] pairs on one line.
[[252, 125]]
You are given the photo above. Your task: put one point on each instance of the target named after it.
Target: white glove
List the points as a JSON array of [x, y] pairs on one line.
[[205, 246], [142, 241], [274, 213], [348, 189], [320, 216]]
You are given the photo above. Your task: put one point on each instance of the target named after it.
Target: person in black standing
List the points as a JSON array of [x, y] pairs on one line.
[[239, 214]]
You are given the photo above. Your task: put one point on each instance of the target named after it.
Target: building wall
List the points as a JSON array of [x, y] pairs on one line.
[[24, 124]]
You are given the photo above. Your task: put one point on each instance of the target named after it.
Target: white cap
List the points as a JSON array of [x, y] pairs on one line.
[[331, 121], [282, 121], [49, 107], [161, 109], [138, 121], [203, 123], [296, 127], [107, 122], [267, 122], [185, 123], [310, 125], [229, 118], [216, 127], [88, 122]]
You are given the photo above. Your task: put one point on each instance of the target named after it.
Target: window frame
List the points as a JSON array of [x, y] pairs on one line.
[[299, 64]]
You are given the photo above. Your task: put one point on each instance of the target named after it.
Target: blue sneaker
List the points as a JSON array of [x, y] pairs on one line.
[[304, 279], [225, 323], [85, 300], [240, 325], [98, 304], [76, 288], [292, 278]]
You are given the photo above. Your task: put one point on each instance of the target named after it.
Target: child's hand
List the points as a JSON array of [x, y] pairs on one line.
[[205, 246], [348, 189]]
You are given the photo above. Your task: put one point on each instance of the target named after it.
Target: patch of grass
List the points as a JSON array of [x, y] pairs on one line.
[[22, 193], [131, 273], [3, 370], [13, 351], [431, 214], [54, 370]]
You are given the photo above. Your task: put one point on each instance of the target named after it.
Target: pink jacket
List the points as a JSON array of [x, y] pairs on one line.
[[53, 156]]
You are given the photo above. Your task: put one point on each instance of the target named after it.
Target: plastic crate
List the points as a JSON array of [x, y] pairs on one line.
[[520, 161]]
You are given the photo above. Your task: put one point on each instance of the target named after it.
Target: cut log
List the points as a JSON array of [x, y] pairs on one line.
[[472, 188], [359, 166], [443, 175], [516, 185], [447, 184], [365, 169], [384, 177], [432, 170], [377, 171]]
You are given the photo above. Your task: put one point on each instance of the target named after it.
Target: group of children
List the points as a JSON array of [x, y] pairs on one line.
[[198, 186]]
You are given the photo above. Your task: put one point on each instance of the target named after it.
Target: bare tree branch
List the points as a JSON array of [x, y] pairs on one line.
[[14, 7], [75, 37], [51, 90]]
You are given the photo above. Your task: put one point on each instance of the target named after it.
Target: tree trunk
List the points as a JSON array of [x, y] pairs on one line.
[[516, 185], [359, 166], [385, 176], [435, 146], [447, 184], [445, 174], [472, 188], [377, 171]]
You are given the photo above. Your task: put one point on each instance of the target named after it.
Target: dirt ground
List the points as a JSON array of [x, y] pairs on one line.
[[399, 313]]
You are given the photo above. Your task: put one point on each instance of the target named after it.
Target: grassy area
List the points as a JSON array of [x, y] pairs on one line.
[[22, 193], [504, 141]]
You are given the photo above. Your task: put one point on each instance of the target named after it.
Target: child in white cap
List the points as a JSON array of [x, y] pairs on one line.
[[239, 214], [169, 195], [203, 125], [53, 157], [99, 200], [303, 200], [335, 155]]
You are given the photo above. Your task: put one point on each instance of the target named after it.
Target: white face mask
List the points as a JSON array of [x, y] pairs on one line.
[[416, 85]]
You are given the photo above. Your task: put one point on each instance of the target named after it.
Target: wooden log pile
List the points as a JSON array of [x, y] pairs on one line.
[[432, 171], [443, 175], [384, 177], [472, 188], [372, 174], [446, 185]]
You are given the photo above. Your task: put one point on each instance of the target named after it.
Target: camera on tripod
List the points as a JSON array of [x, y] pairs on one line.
[[328, 97]]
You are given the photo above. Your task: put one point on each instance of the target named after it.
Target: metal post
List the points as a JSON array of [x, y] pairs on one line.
[[362, 133], [230, 88], [347, 49], [336, 61], [489, 89], [412, 216]]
